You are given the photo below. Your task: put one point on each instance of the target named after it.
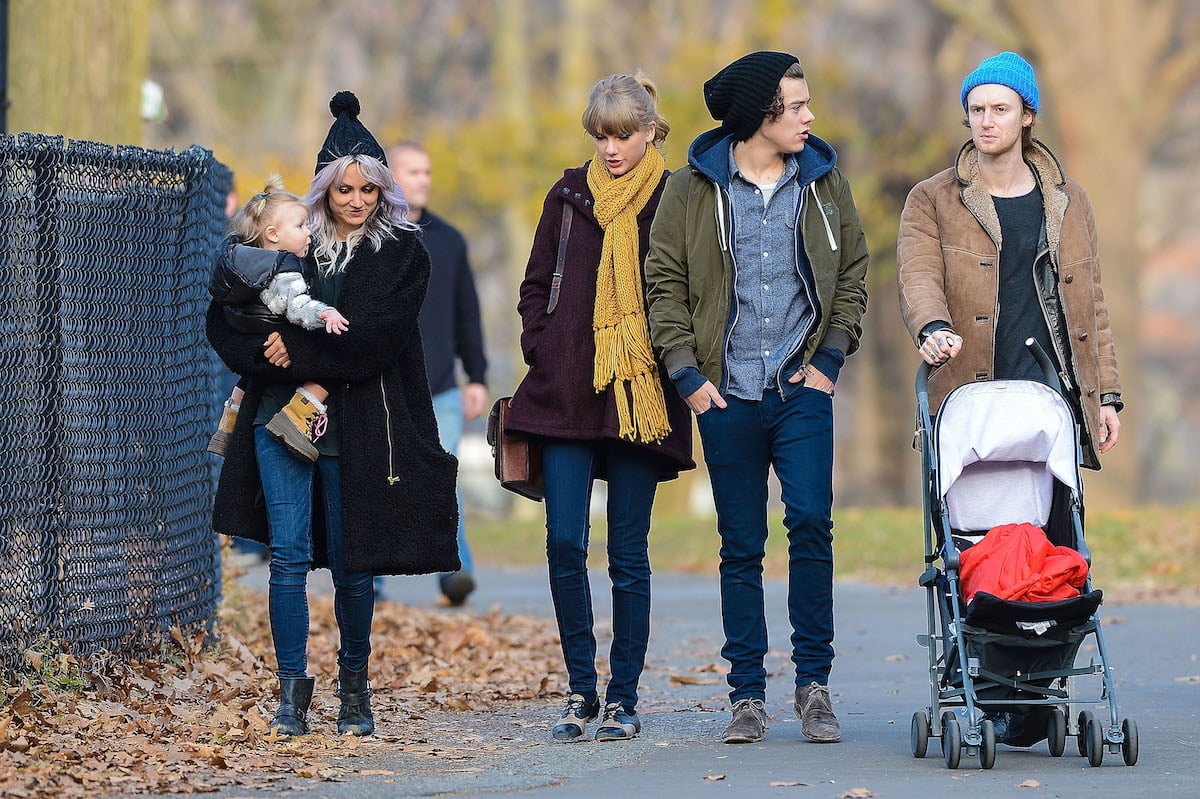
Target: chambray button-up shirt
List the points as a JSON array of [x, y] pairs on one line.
[[772, 306]]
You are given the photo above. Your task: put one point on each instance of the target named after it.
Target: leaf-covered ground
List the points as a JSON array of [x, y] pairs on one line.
[[195, 718]]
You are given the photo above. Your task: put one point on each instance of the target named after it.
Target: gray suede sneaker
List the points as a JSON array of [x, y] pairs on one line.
[[576, 715], [749, 723], [815, 711], [620, 723]]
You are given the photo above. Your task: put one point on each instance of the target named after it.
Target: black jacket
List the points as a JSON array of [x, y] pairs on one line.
[[450, 323], [399, 510], [239, 276]]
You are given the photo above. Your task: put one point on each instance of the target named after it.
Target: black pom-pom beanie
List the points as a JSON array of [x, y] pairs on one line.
[[347, 136]]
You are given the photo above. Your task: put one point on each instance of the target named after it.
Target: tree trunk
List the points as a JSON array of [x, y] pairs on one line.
[[76, 69]]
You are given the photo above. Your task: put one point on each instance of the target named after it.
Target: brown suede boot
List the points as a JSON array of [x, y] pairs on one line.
[[220, 439], [293, 426]]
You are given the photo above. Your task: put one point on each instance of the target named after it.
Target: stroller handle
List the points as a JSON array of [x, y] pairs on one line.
[[1039, 354], [1048, 370], [922, 382]]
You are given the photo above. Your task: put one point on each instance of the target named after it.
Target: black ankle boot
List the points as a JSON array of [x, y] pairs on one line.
[[295, 695], [355, 693]]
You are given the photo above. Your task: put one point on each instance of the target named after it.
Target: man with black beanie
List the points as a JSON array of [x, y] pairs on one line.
[[756, 278]]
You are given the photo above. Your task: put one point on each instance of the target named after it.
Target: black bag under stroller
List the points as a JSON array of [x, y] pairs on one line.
[[1000, 671]]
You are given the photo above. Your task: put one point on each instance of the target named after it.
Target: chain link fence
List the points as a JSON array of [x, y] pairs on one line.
[[107, 390]]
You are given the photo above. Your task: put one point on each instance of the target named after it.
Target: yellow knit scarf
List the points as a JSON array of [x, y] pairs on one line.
[[623, 352]]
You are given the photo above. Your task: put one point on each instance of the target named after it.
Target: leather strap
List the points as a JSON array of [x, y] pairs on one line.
[[556, 281]]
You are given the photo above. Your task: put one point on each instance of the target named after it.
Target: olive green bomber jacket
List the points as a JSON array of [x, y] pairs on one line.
[[690, 269]]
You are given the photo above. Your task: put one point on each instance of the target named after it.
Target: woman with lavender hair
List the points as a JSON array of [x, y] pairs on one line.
[[380, 497]]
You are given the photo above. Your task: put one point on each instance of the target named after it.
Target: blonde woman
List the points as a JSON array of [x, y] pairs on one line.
[[595, 395]]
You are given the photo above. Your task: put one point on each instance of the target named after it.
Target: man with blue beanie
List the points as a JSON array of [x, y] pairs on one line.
[[1001, 248], [756, 279]]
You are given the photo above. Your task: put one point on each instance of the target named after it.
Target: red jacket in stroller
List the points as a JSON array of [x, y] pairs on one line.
[[1017, 562]]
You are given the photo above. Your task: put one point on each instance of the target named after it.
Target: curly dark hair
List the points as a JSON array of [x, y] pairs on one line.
[[774, 109]]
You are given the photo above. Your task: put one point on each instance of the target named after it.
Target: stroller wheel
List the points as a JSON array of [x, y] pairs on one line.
[[1095, 742], [918, 734], [987, 748], [1056, 732], [1081, 737], [1129, 746], [951, 739]]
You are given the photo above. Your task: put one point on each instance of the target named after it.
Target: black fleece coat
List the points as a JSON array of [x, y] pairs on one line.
[[399, 511]]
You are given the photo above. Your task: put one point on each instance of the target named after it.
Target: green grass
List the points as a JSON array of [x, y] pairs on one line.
[[1144, 550]]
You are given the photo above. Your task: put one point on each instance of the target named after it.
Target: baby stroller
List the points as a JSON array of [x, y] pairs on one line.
[[1007, 452]]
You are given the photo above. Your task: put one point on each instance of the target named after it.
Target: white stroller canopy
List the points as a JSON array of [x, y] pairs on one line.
[[1000, 445]]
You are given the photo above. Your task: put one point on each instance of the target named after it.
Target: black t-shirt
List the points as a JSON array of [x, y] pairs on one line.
[[1020, 313]]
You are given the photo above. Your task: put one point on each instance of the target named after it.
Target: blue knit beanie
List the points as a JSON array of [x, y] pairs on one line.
[[1007, 69]]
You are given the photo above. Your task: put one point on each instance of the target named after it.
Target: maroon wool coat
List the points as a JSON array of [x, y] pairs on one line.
[[556, 398]]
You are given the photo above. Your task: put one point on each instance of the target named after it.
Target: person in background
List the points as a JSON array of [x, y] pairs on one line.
[[451, 329], [379, 499], [596, 398], [970, 303], [757, 285]]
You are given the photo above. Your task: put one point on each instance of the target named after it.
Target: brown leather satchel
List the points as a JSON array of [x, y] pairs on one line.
[[518, 459]]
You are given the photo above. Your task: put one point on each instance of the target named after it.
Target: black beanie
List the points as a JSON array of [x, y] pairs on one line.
[[347, 136], [738, 95]]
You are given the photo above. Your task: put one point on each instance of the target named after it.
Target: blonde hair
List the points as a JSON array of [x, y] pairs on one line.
[[389, 216], [260, 212], [620, 105]]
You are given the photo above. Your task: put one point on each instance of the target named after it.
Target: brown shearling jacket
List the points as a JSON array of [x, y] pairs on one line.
[[948, 256]]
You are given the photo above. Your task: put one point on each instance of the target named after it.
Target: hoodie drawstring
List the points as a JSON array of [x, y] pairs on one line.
[[828, 230], [724, 242], [720, 210]]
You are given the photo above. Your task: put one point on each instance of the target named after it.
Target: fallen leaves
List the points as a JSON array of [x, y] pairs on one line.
[[196, 718], [691, 679], [687, 679], [857, 793], [1029, 784]]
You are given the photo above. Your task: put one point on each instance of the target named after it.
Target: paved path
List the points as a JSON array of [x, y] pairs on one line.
[[879, 679]]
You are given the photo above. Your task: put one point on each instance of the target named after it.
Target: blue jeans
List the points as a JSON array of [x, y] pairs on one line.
[[570, 468], [288, 485], [741, 443], [448, 408]]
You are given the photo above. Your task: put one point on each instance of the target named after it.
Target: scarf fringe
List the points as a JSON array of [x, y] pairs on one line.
[[622, 352], [641, 408]]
